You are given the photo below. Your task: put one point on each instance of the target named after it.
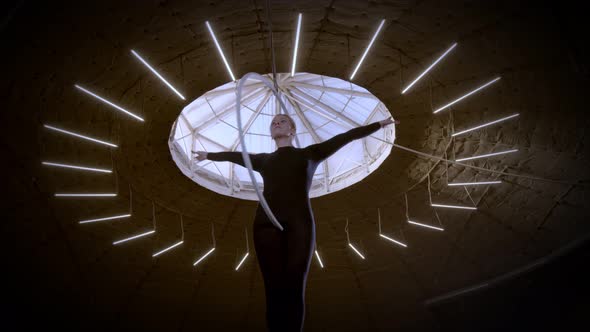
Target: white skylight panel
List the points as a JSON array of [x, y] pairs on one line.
[[242, 173], [221, 133], [216, 123], [305, 138], [316, 94], [193, 112], [328, 130], [211, 168], [359, 108], [184, 137], [231, 122], [223, 167]]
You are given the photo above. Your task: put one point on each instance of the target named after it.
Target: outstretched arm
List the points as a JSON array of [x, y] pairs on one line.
[[321, 151], [231, 156]]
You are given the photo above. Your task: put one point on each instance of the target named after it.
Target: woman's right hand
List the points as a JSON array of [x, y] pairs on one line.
[[200, 155]]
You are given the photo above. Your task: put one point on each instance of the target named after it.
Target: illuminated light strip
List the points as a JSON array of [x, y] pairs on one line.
[[85, 195], [486, 124], [243, 259], [467, 95], [157, 74], [473, 183], [134, 237], [353, 248], [428, 69], [108, 102], [207, 254], [367, 49], [78, 135], [296, 45], [77, 167], [319, 259], [487, 155], [106, 218], [392, 240], [220, 51], [453, 206], [172, 246], [424, 225]]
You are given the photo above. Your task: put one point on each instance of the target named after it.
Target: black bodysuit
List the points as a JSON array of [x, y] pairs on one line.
[[284, 256]]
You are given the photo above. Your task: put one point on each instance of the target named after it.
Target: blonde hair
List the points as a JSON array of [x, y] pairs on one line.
[[290, 121]]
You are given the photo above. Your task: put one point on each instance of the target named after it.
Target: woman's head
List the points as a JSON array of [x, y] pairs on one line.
[[282, 125]]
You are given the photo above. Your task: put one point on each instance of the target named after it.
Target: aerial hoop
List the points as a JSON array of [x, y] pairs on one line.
[[245, 154]]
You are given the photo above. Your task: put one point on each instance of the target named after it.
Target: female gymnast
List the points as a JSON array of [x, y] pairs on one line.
[[284, 256]]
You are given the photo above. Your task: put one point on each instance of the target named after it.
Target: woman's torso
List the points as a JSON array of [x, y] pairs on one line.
[[287, 174]]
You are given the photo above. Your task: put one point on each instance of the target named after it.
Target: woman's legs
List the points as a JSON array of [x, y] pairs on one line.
[[284, 258], [270, 251], [300, 246]]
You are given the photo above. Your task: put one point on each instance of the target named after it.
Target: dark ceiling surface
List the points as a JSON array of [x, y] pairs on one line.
[[485, 271]]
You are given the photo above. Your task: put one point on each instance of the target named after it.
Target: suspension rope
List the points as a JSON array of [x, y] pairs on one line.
[[272, 49]]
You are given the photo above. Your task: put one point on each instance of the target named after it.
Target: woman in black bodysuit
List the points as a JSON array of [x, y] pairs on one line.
[[284, 256]]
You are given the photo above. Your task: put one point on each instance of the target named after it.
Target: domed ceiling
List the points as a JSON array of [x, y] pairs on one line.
[[72, 274]]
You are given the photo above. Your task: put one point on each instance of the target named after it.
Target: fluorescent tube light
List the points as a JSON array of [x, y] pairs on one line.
[[424, 225], [473, 183], [242, 261], [134, 237], [485, 124], [80, 136], [487, 155], [77, 167], [353, 248], [428, 69], [163, 251], [157, 74], [392, 240], [207, 254], [106, 218], [108, 102], [220, 51], [367, 49], [453, 206], [467, 95], [296, 45]]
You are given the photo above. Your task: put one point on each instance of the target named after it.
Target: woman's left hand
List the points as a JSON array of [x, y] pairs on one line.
[[387, 122]]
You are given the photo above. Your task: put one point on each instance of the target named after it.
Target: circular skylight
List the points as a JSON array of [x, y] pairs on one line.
[[321, 106]]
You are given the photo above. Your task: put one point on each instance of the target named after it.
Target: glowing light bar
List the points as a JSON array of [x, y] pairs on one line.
[[108, 102], [319, 259], [207, 254], [367, 49], [134, 237], [243, 259], [424, 225], [80, 136], [485, 124], [106, 218], [428, 69], [85, 195], [467, 95], [220, 51], [157, 74], [473, 183], [353, 248], [296, 45], [487, 155], [172, 246], [77, 167], [392, 240], [453, 206]]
